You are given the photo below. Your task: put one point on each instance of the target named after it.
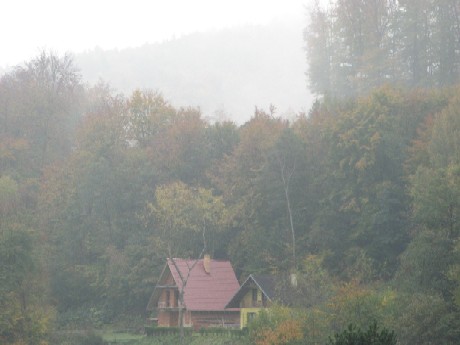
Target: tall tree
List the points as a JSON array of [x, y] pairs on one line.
[[358, 45], [187, 221], [39, 109]]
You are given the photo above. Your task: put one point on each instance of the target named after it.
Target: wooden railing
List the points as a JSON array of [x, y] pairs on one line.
[[165, 305], [253, 304]]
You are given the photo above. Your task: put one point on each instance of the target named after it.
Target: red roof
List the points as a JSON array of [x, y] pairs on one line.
[[205, 291]]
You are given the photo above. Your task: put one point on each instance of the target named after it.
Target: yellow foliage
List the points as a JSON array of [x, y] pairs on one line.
[[361, 164], [388, 298]]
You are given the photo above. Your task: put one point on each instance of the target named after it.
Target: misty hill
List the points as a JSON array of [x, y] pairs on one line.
[[226, 73]]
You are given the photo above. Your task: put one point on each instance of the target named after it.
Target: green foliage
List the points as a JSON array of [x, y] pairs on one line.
[[77, 338], [454, 275], [424, 319], [8, 194], [23, 317], [425, 264], [361, 186], [149, 114], [91, 339], [316, 326], [355, 336], [359, 304], [186, 218]]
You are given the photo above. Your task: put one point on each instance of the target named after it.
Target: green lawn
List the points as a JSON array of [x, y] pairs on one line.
[[113, 337]]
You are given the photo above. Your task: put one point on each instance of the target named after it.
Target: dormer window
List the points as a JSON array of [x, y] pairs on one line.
[[254, 297]]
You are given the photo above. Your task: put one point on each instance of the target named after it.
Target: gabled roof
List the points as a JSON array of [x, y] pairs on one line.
[[265, 283], [204, 291]]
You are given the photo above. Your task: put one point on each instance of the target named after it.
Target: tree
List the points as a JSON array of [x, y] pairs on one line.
[[436, 199], [39, 109], [24, 317], [279, 326], [287, 154], [362, 197], [181, 150], [239, 178], [314, 283], [148, 114], [187, 220], [434, 188], [89, 206], [318, 39], [182, 215], [349, 47], [354, 46], [424, 318]]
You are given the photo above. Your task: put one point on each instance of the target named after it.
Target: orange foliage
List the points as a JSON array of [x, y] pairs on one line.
[[286, 332], [348, 292]]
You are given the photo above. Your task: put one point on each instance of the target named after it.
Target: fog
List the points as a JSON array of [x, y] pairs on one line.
[[225, 58], [115, 160], [226, 72]]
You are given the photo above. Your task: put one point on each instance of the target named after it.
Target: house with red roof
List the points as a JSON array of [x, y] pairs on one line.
[[207, 286]]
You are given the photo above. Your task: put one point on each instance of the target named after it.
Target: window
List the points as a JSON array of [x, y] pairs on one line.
[[251, 316], [254, 297], [176, 298]]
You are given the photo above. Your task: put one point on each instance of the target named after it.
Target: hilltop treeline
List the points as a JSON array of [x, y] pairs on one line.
[[355, 46]]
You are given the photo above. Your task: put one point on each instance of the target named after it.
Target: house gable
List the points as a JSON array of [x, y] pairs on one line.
[[162, 291], [255, 292]]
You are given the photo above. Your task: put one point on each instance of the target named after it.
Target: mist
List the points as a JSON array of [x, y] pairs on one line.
[[287, 220], [226, 73]]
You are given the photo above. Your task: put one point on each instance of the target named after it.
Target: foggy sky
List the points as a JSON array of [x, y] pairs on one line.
[[28, 26]]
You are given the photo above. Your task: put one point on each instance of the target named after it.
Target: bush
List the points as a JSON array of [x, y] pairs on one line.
[[160, 331], [68, 338], [354, 336], [90, 338]]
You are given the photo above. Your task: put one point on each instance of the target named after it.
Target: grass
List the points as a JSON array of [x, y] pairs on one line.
[[113, 337]]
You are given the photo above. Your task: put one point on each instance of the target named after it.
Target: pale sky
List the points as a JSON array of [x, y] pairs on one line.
[[28, 26]]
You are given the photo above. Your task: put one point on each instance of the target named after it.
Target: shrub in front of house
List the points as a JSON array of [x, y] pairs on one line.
[[355, 336], [160, 331]]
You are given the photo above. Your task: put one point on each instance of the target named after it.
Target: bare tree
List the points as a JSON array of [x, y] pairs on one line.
[[286, 173], [184, 280]]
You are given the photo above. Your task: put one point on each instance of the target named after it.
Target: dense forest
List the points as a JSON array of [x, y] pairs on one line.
[[360, 197]]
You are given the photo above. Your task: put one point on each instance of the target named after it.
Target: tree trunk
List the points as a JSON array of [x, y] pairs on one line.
[[181, 315]]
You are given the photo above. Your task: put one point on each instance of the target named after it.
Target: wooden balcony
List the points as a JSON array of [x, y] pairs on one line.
[[169, 306], [255, 304]]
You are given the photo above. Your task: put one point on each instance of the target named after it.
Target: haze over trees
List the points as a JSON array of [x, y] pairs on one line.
[[360, 197], [355, 46], [224, 72]]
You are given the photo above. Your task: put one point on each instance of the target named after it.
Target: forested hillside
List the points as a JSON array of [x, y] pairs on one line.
[[360, 197]]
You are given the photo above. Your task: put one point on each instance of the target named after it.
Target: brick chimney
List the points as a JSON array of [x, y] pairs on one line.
[[207, 263]]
